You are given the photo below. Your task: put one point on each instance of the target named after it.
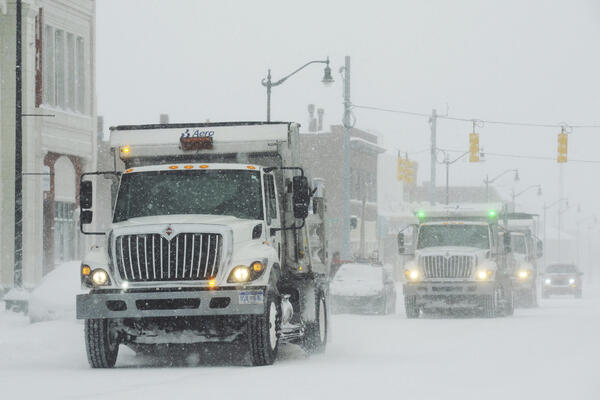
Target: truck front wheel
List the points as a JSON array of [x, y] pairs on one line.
[[102, 344], [262, 334], [410, 304], [315, 335], [490, 306]]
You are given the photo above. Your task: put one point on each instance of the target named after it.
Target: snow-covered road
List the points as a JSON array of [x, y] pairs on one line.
[[552, 352]]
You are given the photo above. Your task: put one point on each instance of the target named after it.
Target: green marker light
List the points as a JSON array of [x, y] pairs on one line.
[[421, 214], [492, 214]]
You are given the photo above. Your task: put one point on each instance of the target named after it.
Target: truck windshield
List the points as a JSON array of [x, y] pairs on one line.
[[453, 235], [517, 244], [216, 192]]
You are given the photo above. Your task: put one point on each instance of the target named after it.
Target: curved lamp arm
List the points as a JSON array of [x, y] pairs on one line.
[[267, 81]]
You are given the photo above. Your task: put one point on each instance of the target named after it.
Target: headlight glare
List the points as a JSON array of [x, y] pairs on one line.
[[523, 274], [99, 277], [548, 281], [412, 274], [240, 273], [572, 281], [483, 274], [247, 272]]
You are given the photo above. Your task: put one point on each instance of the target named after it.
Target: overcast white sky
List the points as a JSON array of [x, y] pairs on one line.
[[515, 60]]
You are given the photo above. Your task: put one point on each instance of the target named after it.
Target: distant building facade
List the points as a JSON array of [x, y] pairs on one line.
[[323, 157], [58, 55]]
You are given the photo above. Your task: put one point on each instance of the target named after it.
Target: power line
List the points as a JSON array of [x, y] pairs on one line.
[[484, 121], [527, 157]]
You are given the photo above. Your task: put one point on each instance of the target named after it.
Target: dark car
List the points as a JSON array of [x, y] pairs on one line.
[[561, 279], [363, 288]]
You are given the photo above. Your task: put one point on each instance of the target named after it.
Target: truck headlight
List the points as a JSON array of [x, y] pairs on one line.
[[99, 277], [548, 281], [523, 274], [571, 281], [483, 274], [412, 275], [244, 273], [240, 274]]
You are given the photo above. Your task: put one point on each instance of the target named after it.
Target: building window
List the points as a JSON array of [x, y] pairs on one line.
[[64, 231], [80, 76], [59, 72], [48, 66], [63, 70], [70, 71]]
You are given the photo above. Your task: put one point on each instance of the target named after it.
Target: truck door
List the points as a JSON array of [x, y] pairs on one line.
[[272, 214]]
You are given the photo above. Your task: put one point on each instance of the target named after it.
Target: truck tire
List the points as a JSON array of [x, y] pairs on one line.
[[489, 306], [531, 298], [316, 332], [509, 304], [101, 342], [410, 305], [393, 305], [263, 334]]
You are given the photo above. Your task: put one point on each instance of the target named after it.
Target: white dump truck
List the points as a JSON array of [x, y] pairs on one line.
[[216, 236], [461, 262]]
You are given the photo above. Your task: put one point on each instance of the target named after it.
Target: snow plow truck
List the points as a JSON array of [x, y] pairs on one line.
[[216, 237]]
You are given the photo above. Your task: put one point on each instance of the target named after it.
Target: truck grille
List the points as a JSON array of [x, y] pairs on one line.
[[447, 267], [151, 257]]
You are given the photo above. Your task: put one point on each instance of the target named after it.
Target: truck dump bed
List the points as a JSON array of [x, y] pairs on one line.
[[263, 143]]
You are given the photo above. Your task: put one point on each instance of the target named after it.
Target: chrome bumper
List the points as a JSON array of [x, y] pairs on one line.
[[143, 304], [448, 294]]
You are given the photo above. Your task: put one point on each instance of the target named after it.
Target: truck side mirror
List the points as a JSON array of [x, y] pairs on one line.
[[85, 195], [540, 249], [401, 249], [507, 248], [86, 217], [301, 196]]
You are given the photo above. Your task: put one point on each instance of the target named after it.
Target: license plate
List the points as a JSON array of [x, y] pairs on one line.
[[251, 297]]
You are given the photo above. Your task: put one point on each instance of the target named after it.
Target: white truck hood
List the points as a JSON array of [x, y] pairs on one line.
[[450, 250], [241, 228]]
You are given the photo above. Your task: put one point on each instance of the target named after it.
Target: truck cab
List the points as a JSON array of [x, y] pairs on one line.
[[211, 240], [526, 250], [460, 263]]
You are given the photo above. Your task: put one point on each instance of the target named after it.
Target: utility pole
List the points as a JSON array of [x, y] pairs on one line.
[[433, 156], [18, 251], [448, 163], [560, 196], [545, 242], [347, 122]]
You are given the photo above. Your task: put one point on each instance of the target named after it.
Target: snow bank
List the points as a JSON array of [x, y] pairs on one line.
[[54, 298]]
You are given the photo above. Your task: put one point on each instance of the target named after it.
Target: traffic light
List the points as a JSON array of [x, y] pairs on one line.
[[406, 170], [563, 141], [410, 172], [473, 147], [401, 174]]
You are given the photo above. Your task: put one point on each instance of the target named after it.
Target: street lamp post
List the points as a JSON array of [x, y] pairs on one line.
[[347, 122], [448, 163], [515, 195], [487, 181], [268, 83]]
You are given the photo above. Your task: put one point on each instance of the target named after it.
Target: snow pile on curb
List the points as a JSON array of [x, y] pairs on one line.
[[54, 298]]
